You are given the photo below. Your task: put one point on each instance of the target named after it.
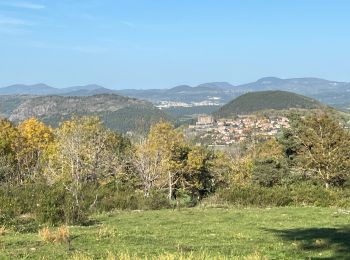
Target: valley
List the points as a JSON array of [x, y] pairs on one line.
[[174, 130]]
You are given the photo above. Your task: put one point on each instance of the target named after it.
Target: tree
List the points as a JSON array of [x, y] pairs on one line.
[[170, 145], [324, 148], [33, 138], [239, 170], [269, 163], [160, 159], [8, 135], [84, 152], [148, 164], [199, 177]]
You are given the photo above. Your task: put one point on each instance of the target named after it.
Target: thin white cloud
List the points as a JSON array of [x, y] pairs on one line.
[[8, 21], [25, 5], [81, 49]]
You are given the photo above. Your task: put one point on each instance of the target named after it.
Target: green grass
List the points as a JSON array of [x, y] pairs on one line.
[[276, 233]]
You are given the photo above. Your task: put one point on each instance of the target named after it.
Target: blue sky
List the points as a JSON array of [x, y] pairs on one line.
[[164, 43]]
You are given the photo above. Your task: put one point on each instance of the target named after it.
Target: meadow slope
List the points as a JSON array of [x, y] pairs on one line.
[[198, 233]]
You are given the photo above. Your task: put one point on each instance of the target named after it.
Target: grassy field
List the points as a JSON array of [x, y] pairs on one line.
[[277, 233]]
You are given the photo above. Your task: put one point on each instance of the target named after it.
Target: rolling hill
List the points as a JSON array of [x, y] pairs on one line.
[[119, 113], [9, 103], [266, 100]]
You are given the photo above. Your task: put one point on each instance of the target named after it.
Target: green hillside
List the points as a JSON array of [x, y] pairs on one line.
[[117, 112], [266, 100]]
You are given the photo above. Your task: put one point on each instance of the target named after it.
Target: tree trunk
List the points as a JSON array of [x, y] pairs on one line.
[[327, 185], [170, 195]]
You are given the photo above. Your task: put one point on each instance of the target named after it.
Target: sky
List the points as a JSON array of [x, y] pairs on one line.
[[163, 43]]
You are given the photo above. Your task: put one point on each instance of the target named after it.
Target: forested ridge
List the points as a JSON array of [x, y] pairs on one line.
[[266, 100], [120, 113]]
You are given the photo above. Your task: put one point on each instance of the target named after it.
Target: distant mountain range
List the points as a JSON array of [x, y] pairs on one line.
[[45, 90], [184, 93], [329, 92], [218, 93]]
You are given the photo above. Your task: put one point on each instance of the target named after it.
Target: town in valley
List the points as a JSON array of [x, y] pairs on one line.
[[223, 132]]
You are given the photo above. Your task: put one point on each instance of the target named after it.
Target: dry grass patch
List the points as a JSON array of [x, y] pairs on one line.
[[255, 256], [3, 231], [80, 256], [105, 232], [61, 236], [46, 235]]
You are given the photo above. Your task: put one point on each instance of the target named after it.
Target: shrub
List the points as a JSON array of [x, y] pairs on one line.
[[117, 197], [269, 172], [49, 207], [255, 195], [75, 213], [17, 199], [56, 205], [294, 195], [214, 201], [157, 200], [111, 197], [184, 199], [315, 195], [49, 204]]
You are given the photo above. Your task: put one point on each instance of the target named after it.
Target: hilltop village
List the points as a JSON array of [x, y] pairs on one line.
[[224, 132]]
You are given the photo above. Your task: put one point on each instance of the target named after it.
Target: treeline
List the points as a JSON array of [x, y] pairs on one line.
[[134, 119], [64, 174]]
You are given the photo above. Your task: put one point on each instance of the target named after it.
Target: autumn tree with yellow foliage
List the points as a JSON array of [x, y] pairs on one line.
[[164, 160], [84, 152], [159, 159], [8, 134], [33, 139]]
